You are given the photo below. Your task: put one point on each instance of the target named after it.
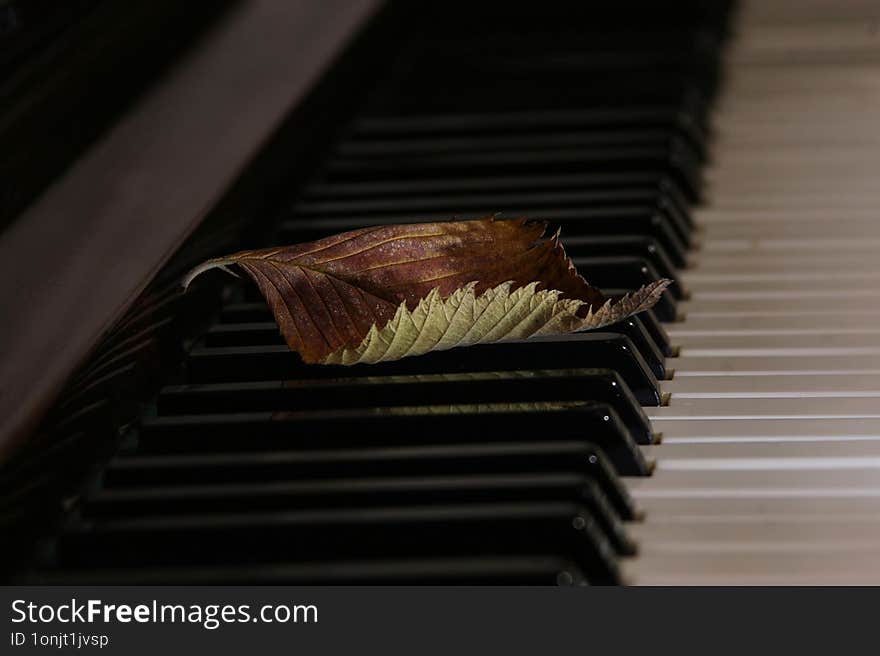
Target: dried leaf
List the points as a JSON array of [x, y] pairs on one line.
[[393, 291], [498, 314]]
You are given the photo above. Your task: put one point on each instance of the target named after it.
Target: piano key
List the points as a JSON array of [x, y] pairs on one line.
[[625, 273], [767, 229], [834, 567], [747, 480], [536, 457], [645, 343], [599, 385], [797, 282], [767, 429], [744, 408], [825, 246], [852, 300], [677, 451], [850, 386], [367, 491], [757, 324], [665, 310], [262, 330], [804, 353], [622, 245], [321, 190], [814, 363], [782, 263], [456, 142], [358, 428], [782, 292], [595, 350], [538, 569], [435, 531], [658, 332], [476, 203], [854, 340], [816, 505], [637, 116], [513, 194], [251, 324], [764, 534], [741, 220], [676, 159], [634, 220]]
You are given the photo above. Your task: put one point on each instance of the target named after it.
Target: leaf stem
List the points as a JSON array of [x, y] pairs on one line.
[[217, 263]]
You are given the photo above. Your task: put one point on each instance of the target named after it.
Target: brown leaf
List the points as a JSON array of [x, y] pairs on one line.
[[327, 295]]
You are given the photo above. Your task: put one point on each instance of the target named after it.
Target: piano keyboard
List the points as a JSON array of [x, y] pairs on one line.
[[728, 436], [768, 470]]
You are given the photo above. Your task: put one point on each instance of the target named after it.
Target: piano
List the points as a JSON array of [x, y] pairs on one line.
[[728, 436]]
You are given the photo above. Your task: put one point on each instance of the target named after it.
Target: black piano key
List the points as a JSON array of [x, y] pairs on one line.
[[567, 529], [260, 329], [648, 248], [522, 203], [613, 274], [549, 88], [495, 184], [380, 147], [671, 192], [475, 202], [677, 159], [599, 385], [635, 220], [249, 312], [266, 333], [633, 328], [366, 492], [527, 569], [538, 456], [667, 119], [578, 350], [395, 426], [567, 207], [658, 333]]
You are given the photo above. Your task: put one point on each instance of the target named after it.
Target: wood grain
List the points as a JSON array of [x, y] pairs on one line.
[[78, 257]]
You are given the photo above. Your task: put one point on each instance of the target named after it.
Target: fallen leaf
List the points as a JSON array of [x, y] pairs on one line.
[[393, 291]]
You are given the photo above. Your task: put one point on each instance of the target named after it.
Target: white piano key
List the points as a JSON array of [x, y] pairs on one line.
[[778, 229], [698, 277], [736, 293], [846, 246], [787, 463], [671, 453], [763, 533], [738, 364], [766, 429], [782, 263], [832, 567], [804, 353], [827, 303], [723, 409], [808, 199], [721, 220], [856, 340], [812, 479], [694, 387], [798, 282], [769, 467], [781, 507], [795, 324]]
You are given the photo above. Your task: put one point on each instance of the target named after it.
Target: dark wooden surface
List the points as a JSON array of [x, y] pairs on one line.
[[76, 259]]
